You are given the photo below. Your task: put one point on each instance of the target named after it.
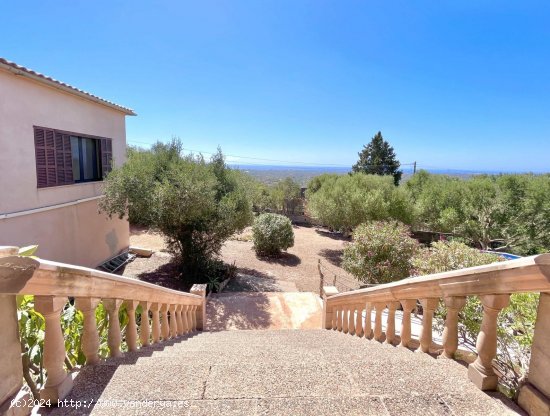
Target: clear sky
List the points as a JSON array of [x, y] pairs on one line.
[[451, 84]]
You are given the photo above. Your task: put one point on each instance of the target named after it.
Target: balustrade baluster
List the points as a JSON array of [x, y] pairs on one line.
[[390, 323], [379, 308], [368, 320], [359, 321], [114, 337], [155, 311], [428, 308], [173, 321], [145, 332], [481, 371], [179, 321], [164, 325], [59, 383], [184, 320], [189, 318], [345, 320], [131, 328], [334, 318], [351, 328], [194, 317], [339, 319], [408, 306], [90, 338], [450, 333]]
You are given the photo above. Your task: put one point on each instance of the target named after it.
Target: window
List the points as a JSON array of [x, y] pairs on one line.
[[86, 159], [64, 158]]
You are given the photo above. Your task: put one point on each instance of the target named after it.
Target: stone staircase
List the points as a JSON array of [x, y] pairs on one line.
[[258, 352], [277, 372]]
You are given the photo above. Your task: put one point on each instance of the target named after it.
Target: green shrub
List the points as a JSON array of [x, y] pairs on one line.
[[443, 256], [342, 202], [512, 211], [380, 252], [272, 233], [515, 323]]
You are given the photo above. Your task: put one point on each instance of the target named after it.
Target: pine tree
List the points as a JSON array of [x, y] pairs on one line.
[[378, 158]]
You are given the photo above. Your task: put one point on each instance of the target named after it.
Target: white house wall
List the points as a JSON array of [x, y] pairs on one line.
[[76, 233]]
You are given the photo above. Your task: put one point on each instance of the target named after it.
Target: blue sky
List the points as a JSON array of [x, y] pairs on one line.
[[451, 84]]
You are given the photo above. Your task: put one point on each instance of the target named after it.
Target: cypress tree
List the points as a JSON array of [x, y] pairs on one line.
[[378, 158]]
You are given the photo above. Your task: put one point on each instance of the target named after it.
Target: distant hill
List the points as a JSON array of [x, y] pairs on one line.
[[270, 174]]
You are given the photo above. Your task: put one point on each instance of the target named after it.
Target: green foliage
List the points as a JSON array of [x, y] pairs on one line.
[[317, 182], [379, 158], [27, 251], [258, 193], [195, 204], [443, 256], [510, 211], [216, 272], [287, 196], [283, 196], [343, 202], [515, 323], [32, 331], [272, 233], [381, 252]]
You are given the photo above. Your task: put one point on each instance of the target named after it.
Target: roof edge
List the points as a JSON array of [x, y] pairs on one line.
[[51, 82]]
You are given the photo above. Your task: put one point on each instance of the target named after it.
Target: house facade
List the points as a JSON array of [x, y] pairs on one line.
[[57, 143]]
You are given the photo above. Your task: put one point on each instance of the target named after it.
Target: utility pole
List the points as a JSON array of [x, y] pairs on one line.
[[414, 167]]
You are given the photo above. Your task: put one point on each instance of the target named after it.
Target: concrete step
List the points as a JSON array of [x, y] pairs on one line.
[[285, 372]]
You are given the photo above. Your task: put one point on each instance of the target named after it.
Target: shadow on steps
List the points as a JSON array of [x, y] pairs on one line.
[[91, 381]]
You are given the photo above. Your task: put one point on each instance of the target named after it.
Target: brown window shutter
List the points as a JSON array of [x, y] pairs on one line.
[[40, 152], [106, 156], [63, 159], [44, 144]]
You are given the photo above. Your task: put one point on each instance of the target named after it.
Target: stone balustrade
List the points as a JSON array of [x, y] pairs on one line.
[[165, 314], [350, 313]]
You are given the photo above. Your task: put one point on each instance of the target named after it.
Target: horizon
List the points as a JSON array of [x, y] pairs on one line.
[[448, 85], [345, 169]]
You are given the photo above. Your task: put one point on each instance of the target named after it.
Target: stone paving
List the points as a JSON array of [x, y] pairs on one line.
[[278, 372]]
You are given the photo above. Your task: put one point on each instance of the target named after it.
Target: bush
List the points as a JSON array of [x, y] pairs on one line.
[[515, 323], [342, 202], [453, 255], [272, 233], [381, 252], [508, 211]]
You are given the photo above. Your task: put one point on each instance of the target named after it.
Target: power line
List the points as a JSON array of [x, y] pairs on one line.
[[273, 160]]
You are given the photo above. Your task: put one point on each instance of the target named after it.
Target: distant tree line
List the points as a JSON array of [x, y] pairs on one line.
[[506, 212]]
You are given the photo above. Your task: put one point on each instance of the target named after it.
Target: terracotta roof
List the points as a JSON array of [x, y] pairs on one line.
[[37, 76]]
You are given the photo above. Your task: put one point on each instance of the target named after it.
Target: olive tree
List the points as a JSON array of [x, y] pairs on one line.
[[196, 204]]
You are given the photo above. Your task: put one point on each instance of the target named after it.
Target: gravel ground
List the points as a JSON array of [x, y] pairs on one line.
[[297, 265], [159, 268]]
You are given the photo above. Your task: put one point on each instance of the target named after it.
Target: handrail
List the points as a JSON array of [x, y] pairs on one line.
[[165, 314], [527, 274], [351, 312], [49, 278]]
